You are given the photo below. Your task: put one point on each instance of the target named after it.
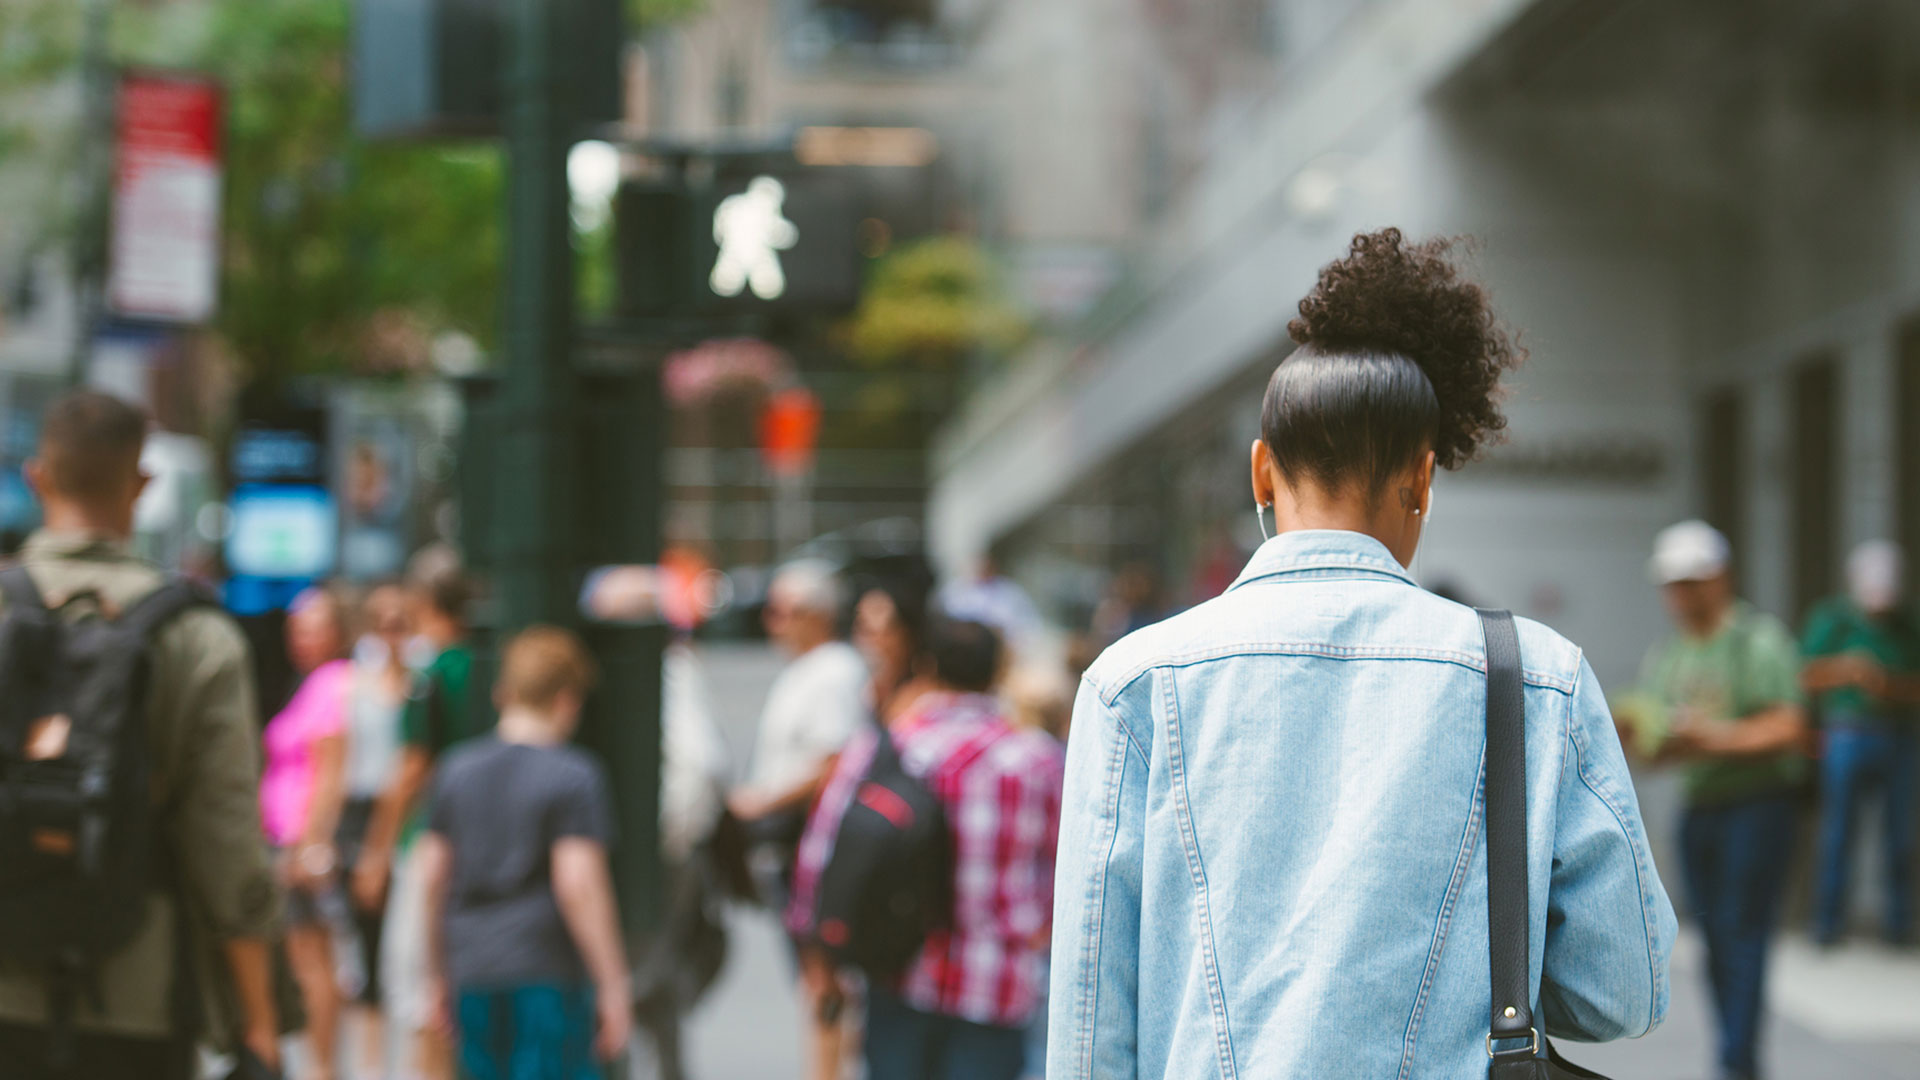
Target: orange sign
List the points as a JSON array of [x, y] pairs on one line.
[[789, 429]]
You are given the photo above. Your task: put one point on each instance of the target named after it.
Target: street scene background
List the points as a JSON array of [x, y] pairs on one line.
[[963, 292]]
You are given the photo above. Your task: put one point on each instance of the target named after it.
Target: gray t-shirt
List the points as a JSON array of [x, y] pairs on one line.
[[501, 807]]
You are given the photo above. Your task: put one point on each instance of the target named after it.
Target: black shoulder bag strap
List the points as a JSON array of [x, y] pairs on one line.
[[1508, 922], [1514, 1040]]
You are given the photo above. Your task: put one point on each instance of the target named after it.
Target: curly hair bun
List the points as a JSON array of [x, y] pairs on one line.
[[1389, 296]]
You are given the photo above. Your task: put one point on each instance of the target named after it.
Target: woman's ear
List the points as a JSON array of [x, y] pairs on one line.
[[1262, 465], [1416, 495]]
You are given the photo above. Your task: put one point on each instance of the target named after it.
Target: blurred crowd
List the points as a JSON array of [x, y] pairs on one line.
[[442, 888]]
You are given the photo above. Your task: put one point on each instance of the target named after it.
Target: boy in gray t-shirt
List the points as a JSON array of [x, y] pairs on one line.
[[522, 936]]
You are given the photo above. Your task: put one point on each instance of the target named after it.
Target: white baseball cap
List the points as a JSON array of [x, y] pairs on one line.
[[1876, 575], [1690, 551]]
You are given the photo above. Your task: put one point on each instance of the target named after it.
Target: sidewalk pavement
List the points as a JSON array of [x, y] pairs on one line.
[[1851, 1013], [748, 1028]]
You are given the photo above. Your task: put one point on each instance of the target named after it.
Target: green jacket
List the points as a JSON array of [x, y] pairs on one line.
[[1838, 627], [205, 756]]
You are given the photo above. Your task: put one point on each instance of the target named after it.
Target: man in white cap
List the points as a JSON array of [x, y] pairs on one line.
[[1722, 695], [1863, 654]]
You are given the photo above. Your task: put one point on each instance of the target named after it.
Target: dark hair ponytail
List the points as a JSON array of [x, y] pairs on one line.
[[1397, 354]]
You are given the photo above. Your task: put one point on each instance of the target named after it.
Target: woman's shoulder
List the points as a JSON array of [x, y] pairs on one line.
[[1420, 625], [1156, 644], [1548, 657]]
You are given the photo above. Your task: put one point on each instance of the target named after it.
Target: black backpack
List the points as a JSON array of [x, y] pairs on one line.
[[80, 853], [889, 882]]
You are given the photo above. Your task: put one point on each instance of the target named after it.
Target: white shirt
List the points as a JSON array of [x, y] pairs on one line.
[[373, 725], [693, 772], [814, 707]]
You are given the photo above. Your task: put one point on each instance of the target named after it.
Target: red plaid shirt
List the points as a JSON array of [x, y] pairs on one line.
[[1001, 789]]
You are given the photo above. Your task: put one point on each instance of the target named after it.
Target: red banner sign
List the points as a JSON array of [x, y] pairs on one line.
[[165, 247]]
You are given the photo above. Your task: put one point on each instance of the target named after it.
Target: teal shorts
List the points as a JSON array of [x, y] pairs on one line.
[[528, 1033]]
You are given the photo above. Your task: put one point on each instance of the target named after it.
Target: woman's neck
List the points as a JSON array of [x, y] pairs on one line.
[[1300, 511]]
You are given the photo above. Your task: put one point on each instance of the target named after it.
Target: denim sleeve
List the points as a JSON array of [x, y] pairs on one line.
[[1610, 925], [1093, 1007]]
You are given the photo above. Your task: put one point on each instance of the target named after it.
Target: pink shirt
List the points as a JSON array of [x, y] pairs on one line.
[[318, 711]]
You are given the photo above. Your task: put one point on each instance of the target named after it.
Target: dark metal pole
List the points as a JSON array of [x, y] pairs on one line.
[[96, 180], [536, 482]]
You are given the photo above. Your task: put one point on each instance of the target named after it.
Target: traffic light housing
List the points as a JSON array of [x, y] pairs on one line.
[[432, 68]]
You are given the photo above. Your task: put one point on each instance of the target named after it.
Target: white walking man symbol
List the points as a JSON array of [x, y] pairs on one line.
[[752, 232]]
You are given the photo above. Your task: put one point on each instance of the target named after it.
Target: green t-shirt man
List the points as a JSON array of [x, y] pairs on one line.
[[1747, 666], [439, 713], [1838, 627]]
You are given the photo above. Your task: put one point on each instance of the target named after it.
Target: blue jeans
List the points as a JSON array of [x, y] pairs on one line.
[[904, 1043], [1737, 857], [1860, 760], [528, 1033]]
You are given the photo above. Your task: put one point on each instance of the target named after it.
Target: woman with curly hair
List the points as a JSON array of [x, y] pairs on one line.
[[1272, 860]]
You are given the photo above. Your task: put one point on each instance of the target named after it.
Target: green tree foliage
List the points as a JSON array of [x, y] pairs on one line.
[[933, 304], [336, 253], [39, 40], [644, 15], [330, 242], [933, 314]]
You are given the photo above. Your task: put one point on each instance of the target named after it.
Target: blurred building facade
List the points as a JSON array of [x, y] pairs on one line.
[[1701, 218]]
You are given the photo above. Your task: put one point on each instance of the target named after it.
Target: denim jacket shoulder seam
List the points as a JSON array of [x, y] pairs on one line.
[[1196, 866], [1647, 916], [1110, 702], [1531, 676]]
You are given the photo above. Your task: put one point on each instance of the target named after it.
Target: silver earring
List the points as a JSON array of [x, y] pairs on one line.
[[1260, 515]]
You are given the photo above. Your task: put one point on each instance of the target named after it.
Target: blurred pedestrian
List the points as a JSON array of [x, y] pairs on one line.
[[382, 679], [889, 630], [1039, 697], [1132, 601], [990, 597], [681, 959], [1722, 696], [815, 704], [1272, 854], [525, 952], [199, 938], [962, 1004], [1863, 662], [439, 713], [301, 791]]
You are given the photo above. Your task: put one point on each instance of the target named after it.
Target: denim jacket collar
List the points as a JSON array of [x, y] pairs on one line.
[[1322, 553]]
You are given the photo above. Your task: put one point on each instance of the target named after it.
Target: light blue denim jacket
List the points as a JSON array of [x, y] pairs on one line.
[[1272, 857]]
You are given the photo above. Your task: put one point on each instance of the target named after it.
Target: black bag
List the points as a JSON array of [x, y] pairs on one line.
[[889, 882], [1507, 918], [79, 851]]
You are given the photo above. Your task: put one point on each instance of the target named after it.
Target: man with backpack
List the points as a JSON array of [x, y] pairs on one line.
[[136, 896], [958, 799]]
